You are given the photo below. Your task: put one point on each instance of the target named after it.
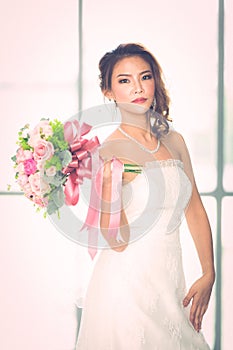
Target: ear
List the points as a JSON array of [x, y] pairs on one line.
[[108, 94]]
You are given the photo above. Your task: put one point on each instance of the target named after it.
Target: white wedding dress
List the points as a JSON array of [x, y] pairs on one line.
[[134, 298]]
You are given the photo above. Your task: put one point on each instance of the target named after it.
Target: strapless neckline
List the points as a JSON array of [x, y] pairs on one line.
[[164, 163], [161, 163]]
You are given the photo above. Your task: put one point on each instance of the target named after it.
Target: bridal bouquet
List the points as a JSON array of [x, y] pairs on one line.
[[51, 162]]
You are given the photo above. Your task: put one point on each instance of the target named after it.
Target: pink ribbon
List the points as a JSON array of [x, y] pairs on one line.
[[117, 170], [80, 166], [92, 219], [93, 215], [86, 162]]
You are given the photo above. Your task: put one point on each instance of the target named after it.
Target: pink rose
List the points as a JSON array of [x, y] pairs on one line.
[[51, 171], [20, 168], [34, 139], [42, 202], [22, 155], [22, 180], [42, 129], [27, 190], [29, 166], [34, 181], [38, 185], [40, 164], [45, 188], [43, 150]]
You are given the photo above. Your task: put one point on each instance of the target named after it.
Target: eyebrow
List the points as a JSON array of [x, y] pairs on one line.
[[128, 75]]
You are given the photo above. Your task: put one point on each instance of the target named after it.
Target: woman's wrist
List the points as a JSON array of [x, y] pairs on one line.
[[210, 273]]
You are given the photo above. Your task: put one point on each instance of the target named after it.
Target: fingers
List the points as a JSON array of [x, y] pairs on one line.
[[186, 301], [197, 309], [194, 311], [107, 172], [188, 298], [196, 315], [199, 293]]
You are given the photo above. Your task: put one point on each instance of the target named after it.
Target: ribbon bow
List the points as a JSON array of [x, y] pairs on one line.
[[80, 166]]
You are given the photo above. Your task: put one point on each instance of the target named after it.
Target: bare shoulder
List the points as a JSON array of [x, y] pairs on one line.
[[175, 142], [174, 136], [110, 146]]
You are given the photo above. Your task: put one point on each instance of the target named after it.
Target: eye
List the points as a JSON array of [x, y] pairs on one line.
[[124, 81], [147, 77]]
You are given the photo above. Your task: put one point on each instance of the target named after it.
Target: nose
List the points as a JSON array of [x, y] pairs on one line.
[[138, 90], [138, 87]]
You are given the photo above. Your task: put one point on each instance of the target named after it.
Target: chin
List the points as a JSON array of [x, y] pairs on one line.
[[133, 108]]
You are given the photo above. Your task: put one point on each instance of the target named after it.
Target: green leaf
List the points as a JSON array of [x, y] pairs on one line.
[[55, 180], [54, 161], [13, 158], [65, 157], [58, 142], [58, 197], [57, 139], [24, 144], [52, 207]]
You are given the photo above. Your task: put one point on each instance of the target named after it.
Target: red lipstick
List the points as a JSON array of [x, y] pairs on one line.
[[139, 100]]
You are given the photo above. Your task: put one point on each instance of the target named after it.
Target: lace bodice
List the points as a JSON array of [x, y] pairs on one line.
[[157, 197]]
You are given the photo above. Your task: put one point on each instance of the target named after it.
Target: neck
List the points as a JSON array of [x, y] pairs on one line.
[[136, 124]]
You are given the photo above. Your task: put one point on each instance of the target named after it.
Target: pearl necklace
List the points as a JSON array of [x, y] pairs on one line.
[[139, 144]]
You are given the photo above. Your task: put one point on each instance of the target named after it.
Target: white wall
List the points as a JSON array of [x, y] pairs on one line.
[[38, 266]]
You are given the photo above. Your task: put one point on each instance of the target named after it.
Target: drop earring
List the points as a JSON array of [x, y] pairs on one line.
[[154, 104], [115, 116], [153, 113]]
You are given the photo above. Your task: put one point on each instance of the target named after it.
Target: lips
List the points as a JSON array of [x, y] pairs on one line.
[[139, 100]]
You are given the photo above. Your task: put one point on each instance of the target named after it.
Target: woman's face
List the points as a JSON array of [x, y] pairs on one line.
[[132, 82]]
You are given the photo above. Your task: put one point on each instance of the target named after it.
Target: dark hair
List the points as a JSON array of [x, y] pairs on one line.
[[107, 64]]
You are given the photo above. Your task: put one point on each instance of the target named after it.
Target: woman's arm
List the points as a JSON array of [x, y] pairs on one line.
[[200, 230]]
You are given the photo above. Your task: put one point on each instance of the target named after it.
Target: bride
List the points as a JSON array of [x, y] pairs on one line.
[[136, 298]]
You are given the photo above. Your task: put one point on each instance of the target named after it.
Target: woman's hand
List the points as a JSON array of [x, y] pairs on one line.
[[115, 244], [199, 293]]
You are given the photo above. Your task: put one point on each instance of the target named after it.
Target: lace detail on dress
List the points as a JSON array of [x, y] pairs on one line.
[[142, 337], [164, 163], [153, 306], [172, 267], [174, 330]]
